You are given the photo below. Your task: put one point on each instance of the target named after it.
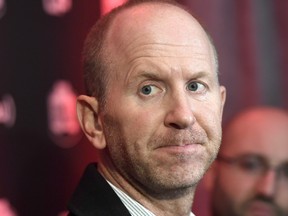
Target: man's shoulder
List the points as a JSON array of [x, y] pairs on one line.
[[94, 196]]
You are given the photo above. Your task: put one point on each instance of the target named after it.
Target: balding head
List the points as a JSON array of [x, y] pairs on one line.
[[250, 174], [257, 129], [158, 128], [132, 19]]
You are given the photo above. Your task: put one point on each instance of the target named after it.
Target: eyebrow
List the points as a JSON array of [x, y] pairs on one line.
[[142, 75], [155, 75], [149, 75]]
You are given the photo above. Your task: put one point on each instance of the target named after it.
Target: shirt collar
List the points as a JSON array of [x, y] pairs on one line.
[[134, 207]]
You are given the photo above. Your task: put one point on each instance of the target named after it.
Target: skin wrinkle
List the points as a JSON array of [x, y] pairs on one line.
[[156, 147], [196, 76], [159, 46]]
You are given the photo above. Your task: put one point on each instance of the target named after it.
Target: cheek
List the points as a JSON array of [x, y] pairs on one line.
[[238, 188], [282, 198], [210, 119], [138, 125]]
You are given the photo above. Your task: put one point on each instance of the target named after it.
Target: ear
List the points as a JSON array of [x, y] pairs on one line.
[[90, 121], [223, 98]]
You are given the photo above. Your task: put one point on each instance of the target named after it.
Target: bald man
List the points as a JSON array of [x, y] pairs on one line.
[[153, 111], [250, 175]]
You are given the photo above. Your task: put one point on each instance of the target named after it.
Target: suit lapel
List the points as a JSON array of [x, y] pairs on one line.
[[94, 197]]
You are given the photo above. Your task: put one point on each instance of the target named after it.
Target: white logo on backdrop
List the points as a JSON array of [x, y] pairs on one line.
[[2, 8], [62, 118], [7, 111], [57, 7]]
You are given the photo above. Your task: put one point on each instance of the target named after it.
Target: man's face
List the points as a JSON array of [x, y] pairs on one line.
[[162, 119], [249, 190]]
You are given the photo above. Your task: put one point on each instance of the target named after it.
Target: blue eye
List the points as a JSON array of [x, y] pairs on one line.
[[195, 86], [146, 90], [149, 90]]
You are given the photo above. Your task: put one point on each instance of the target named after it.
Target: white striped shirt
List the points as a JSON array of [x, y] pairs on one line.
[[135, 208]]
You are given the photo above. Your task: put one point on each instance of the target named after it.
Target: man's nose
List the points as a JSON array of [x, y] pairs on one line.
[[179, 113], [267, 183]]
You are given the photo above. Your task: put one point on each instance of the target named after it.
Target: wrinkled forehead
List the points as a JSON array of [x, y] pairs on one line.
[[156, 23]]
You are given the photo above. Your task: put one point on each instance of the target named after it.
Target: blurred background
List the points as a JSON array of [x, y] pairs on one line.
[[43, 151]]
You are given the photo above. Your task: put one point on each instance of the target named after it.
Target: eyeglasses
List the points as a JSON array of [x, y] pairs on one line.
[[255, 165]]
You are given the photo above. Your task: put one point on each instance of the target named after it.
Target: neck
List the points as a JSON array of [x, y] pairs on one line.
[[173, 202], [180, 206]]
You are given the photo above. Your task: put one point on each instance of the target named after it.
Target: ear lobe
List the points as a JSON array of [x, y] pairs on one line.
[[90, 122]]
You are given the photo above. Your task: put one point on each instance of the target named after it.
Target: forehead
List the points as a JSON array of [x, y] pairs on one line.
[[155, 23], [265, 134]]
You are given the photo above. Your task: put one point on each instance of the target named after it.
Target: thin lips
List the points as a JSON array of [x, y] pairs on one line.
[[181, 144], [181, 139], [259, 206]]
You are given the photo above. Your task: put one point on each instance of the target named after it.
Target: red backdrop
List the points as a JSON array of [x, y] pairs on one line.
[[41, 46]]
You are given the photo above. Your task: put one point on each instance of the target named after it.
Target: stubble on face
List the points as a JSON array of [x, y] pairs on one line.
[[141, 161], [224, 204], [156, 172]]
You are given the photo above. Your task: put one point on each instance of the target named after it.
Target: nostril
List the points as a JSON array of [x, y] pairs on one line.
[[179, 120], [176, 126]]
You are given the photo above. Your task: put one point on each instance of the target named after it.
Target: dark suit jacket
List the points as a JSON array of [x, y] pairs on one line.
[[95, 197]]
